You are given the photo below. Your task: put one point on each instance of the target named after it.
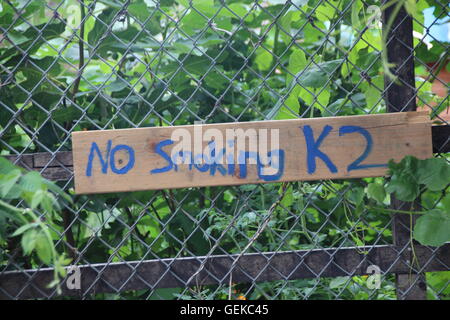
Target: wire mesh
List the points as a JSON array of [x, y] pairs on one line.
[[72, 65]]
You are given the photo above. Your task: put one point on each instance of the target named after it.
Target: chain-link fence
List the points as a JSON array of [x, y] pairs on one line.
[[71, 65]]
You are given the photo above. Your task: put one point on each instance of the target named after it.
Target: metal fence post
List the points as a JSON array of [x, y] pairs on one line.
[[400, 96]]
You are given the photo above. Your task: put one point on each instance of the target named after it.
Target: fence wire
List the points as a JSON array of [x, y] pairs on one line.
[[72, 65]]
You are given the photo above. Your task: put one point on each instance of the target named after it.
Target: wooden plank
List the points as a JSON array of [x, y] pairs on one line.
[[24, 160], [62, 168], [56, 173], [251, 267], [310, 149], [46, 159]]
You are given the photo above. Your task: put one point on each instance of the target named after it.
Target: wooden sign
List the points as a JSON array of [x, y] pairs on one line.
[[246, 152]]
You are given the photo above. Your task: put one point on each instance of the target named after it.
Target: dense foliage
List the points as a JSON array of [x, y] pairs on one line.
[[87, 65]]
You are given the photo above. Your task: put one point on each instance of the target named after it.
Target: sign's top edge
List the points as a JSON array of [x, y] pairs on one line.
[[410, 117]]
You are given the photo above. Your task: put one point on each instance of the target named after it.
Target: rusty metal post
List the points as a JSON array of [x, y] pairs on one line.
[[400, 96]]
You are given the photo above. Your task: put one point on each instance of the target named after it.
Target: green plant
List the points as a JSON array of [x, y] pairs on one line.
[[22, 195], [421, 182]]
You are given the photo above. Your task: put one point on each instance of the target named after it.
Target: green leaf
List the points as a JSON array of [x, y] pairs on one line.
[[14, 216], [287, 109], [139, 9], [96, 222], [36, 199], [49, 204], [410, 172], [356, 195], [14, 193], [288, 198], [33, 67], [131, 39], [323, 97], [101, 25], [433, 228], [434, 173], [28, 241], [43, 248], [317, 75], [6, 166], [403, 189], [403, 183], [31, 182], [36, 35], [376, 191], [263, 59], [372, 91], [198, 4], [193, 64], [445, 202], [356, 8], [325, 12], [24, 228], [297, 62], [411, 7], [112, 3], [8, 180], [338, 282], [57, 190], [7, 15]]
